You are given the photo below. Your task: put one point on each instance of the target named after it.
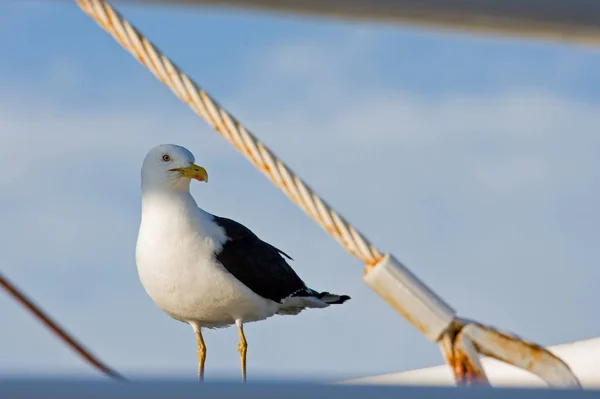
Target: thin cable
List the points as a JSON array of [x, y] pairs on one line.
[[71, 342]]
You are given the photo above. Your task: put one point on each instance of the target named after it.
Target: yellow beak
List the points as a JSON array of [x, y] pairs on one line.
[[193, 172]]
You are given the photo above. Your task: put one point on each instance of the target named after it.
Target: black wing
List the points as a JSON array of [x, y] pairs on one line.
[[257, 264]]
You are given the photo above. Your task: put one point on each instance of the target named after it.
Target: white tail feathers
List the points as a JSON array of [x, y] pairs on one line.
[[296, 304]]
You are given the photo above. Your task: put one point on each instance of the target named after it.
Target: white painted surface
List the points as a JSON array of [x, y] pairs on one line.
[[582, 356], [402, 290]]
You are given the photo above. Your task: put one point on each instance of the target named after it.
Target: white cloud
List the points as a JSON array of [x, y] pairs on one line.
[[483, 196]]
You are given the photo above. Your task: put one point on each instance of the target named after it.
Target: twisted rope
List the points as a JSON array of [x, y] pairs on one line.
[[232, 130]]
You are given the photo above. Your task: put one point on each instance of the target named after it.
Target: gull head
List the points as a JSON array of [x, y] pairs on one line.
[[171, 167]]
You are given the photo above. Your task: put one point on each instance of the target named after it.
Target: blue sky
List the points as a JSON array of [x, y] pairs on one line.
[[476, 161]]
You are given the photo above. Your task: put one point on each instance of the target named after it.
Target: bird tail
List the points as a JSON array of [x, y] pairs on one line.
[[296, 304], [332, 299]]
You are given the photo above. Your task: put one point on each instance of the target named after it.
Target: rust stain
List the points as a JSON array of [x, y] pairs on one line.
[[171, 73], [290, 193], [104, 25], [524, 354], [151, 65], [465, 372], [333, 230], [517, 352], [267, 169], [110, 26], [139, 57], [219, 130], [263, 167], [370, 264], [114, 30]]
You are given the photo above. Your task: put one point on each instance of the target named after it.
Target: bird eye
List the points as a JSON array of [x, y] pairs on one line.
[[166, 158]]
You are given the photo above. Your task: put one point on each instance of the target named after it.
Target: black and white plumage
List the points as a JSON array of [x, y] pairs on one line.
[[262, 267], [207, 270]]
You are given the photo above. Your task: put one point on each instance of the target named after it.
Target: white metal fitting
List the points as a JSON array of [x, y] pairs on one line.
[[522, 354], [426, 311]]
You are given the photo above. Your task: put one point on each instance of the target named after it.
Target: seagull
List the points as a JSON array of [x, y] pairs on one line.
[[205, 270]]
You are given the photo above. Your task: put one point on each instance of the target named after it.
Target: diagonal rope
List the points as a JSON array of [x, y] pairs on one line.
[[423, 304], [232, 130], [53, 326]]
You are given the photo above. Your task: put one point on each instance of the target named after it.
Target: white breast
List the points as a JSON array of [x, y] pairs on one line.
[[176, 265]]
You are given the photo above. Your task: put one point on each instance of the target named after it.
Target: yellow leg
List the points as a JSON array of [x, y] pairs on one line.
[[242, 349], [200, 352]]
